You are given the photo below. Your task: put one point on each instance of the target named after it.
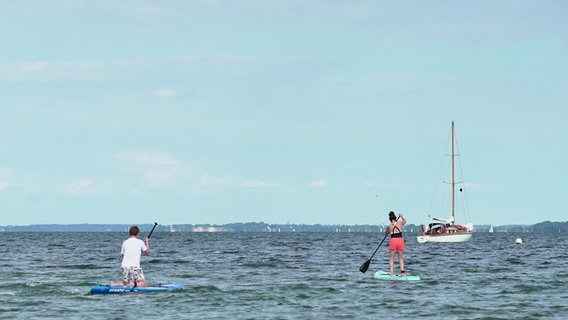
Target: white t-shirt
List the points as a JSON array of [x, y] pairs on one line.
[[132, 249]]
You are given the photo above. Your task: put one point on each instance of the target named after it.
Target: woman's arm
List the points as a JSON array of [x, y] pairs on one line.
[[402, 219]]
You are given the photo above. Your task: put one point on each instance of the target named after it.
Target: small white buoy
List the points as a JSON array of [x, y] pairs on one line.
[[519, 241]]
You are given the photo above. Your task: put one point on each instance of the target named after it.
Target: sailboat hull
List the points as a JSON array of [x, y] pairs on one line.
[[449, 238]]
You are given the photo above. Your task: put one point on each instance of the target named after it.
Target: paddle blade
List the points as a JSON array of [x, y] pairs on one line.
[[363, 268]]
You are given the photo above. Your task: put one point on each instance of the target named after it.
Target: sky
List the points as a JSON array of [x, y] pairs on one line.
[[323, 111]]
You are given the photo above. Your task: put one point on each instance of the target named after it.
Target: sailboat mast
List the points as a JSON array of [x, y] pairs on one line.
[[453, 181]]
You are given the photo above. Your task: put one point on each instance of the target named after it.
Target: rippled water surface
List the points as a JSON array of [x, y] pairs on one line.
[[285, 276]]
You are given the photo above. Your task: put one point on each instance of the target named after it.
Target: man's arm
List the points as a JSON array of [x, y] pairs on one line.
[[147, 251]]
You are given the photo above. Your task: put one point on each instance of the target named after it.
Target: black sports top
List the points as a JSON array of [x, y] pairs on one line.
[[397, 234]]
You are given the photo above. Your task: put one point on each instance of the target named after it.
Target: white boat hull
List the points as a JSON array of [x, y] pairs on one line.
[[449, 238]]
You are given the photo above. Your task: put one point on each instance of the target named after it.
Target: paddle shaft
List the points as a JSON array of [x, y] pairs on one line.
[[150, 234], [371, 258]]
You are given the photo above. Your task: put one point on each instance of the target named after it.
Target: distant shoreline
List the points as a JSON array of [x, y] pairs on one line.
[[542, 227]]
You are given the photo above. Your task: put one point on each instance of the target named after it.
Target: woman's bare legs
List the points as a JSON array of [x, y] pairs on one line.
[[391, 262], [401, 261]]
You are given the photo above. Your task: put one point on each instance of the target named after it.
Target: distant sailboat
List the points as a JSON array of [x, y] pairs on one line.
[[446, 230], [491, 229]]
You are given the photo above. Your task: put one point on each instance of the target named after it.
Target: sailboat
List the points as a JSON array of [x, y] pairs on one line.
[[446, 230]]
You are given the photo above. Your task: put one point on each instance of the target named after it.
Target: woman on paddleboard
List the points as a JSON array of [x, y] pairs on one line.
[[396, 243], [132, 248]]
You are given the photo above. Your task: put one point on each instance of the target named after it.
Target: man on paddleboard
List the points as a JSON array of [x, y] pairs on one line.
[[396, 243], [132, 248]]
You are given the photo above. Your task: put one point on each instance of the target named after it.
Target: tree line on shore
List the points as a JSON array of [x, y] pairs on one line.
[[542, 227]]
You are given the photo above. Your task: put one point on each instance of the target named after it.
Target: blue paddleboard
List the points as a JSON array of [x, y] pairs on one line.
[[123, 289], [383, 275]]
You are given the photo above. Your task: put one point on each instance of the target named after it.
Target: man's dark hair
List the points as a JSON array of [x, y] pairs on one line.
[[134, 231]]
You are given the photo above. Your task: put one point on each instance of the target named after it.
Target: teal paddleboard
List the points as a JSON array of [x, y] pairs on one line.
[[383, 275]]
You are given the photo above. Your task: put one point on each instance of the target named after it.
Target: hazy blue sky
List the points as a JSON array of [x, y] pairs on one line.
[[218, 111]]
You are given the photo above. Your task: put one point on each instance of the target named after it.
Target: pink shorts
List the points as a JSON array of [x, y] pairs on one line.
[[396, 244]]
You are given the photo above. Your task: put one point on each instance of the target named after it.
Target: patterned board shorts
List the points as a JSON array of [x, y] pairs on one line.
[[133, 274]]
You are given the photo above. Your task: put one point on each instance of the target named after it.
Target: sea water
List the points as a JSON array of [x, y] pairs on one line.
[[285, 276]]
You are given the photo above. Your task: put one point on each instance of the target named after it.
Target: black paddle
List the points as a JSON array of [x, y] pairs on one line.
[[363, 268], [150, 234]]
